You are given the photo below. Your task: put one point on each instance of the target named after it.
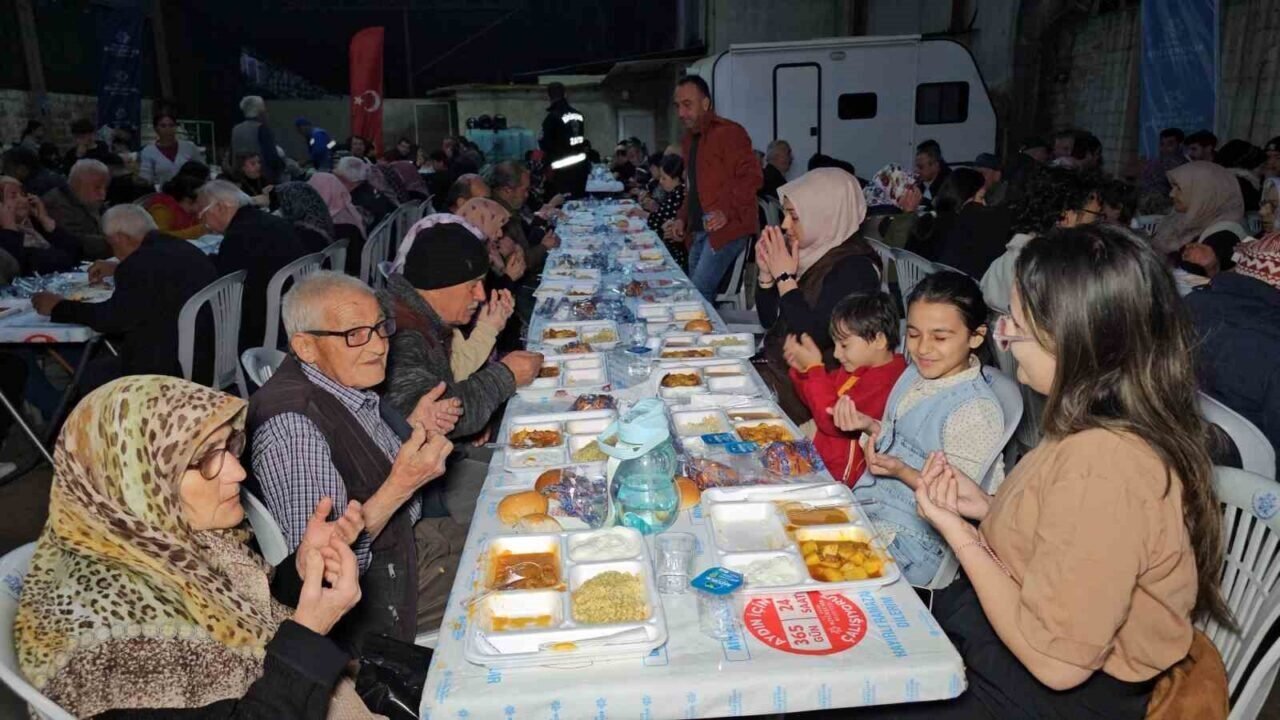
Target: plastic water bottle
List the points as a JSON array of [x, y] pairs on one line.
[[641, 468], [647, 497]]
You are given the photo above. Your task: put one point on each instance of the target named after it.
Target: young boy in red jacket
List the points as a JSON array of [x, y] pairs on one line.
[[865, 329]]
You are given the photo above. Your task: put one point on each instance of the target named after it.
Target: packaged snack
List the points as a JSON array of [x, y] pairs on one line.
[[792, 458], [593, 402]]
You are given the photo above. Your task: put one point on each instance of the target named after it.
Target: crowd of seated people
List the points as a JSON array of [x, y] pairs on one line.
[[368, 445]]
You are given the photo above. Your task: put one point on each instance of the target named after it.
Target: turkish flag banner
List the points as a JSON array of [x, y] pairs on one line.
[[366, 86]]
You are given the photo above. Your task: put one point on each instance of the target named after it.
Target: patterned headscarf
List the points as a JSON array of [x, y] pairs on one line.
[[411, 178], [399, 192], [831, 208], [125, 606], [431, 220], [1212, 195], [337, 199], [887, 186], [302, 205]]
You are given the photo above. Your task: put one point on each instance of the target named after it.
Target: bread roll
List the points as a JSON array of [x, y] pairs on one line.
[[513, 507], [698, 326], [538, 523], [547, 479], [690, 495]]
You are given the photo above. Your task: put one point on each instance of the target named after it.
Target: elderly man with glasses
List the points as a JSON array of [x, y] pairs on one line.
[[319, 430], [252, 240]]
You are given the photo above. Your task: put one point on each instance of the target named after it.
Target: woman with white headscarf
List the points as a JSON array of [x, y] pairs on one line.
[[814, 260], [1208, 218]]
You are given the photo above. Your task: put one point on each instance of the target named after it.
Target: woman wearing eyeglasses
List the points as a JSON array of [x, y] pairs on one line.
[[1086, 570], [143, 599], [159, 161]]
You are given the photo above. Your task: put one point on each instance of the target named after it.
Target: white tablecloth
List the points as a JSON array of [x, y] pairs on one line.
[[870, 648]]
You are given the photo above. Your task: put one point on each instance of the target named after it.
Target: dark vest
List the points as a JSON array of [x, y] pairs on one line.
[[390, 585]]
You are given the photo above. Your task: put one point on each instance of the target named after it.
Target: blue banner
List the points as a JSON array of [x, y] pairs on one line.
[[1179, 68], [120, 81]]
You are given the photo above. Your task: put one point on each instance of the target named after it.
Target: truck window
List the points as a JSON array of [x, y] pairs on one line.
[[942, 103], [856, 106]]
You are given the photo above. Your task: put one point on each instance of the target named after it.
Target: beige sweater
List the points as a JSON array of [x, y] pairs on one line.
[[470, 354]]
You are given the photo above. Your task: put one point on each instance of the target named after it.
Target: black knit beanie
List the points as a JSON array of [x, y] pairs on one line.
[[444, 255]]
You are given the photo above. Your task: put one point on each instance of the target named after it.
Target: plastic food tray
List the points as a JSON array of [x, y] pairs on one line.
[[583, 330], [581, 289], [575, 429], [687, 423], [587, 274], [679, 312], [747, 525], [577, 374], [723, 377], [734, 345], [558, 643]]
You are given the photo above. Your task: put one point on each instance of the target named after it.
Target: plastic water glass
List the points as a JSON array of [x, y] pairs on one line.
[[673, 556]]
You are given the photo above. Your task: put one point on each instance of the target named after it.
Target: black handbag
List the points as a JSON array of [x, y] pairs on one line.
[[392, 675]]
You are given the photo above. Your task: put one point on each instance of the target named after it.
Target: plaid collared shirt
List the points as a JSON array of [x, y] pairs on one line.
[[292, 462]]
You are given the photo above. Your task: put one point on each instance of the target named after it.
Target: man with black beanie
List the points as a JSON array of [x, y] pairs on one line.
[[441, 287]]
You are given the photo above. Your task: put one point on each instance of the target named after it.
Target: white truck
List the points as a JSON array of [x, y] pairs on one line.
[[866, 100]]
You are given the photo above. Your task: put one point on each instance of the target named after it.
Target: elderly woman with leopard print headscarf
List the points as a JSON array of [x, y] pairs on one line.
[[143, 598]]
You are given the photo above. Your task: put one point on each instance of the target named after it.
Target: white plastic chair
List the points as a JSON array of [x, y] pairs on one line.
[[1253, 223], [886, 261], [13, 568], [911, 270], [223, 296], [261, 363], [336, 255], [735, 295], [406, 215], [265, 529], [384, 269], [772, 210], [1146, 223], [376, 249], [1010, 398], [296, 270], [1251, 531], [1256, 453]]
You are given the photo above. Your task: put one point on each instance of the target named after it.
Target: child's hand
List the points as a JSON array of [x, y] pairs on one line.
[[878, 464], [846, 416], [802, 353]]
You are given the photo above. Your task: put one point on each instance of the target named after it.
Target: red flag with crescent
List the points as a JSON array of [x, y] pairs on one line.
[[366, 86]]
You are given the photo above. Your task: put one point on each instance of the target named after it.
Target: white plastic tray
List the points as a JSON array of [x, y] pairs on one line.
[[533, 461], [719, 376], [556, 645], [583, 330], [577, 289], [578, 374], [746, 524]]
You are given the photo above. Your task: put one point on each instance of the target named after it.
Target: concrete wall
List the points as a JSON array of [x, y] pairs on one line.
[[1092, 84], [63, 109], [749, 21]]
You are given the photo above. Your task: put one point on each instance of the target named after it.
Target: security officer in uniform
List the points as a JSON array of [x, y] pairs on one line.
[[564, 142]]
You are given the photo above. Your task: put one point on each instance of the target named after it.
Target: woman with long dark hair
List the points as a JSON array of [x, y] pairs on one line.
[[1081, 584]]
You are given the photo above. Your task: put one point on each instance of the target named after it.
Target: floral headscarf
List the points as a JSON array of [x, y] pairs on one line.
[[887, 186], [302, 205], [125, 606], [410, 178]]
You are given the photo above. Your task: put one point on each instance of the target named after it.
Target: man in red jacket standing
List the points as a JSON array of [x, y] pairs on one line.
[[719, 212]]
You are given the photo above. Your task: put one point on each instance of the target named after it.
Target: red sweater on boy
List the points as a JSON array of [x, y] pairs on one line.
[[868, 387]]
